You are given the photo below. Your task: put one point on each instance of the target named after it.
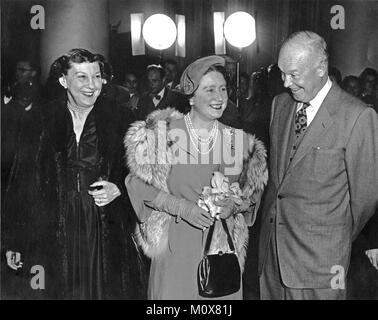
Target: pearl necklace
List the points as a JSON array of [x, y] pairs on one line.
[[195, 139], [77, 109], [189, 123]]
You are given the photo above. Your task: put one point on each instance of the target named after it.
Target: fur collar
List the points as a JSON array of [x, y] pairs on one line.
[[142, 156]]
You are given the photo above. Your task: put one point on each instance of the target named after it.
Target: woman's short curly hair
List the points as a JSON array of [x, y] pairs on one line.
[[61, 65]]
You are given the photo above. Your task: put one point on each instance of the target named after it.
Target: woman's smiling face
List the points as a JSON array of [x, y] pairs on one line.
[[210, 99], [83, 83]]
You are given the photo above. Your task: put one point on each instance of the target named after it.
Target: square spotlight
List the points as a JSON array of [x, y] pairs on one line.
[[219, 40], [180, 41], [137, 41]]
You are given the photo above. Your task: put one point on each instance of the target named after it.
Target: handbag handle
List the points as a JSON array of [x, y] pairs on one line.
[[210, 237]]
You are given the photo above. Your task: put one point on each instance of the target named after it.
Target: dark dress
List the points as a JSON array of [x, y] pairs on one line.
[[87, 251], [83, 217]]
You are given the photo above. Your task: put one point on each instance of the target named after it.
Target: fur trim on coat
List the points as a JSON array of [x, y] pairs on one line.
[[152, 165]]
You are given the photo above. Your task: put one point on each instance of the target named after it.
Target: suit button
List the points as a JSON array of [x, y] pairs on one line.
[[271, 220]]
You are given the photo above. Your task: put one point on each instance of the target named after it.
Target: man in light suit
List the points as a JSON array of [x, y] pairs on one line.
[[323, 178]]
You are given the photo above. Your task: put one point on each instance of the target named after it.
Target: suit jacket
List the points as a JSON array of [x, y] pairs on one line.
[[319, 202], [146, 105]]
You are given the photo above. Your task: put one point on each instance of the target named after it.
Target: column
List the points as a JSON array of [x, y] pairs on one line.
[[73, 24]]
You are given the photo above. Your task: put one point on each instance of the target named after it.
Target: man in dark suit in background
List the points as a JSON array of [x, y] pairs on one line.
[[172, 77], [158, 96], [323, 178]]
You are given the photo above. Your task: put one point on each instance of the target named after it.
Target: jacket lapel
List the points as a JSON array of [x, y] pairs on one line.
[[318, 127], [285, 136]]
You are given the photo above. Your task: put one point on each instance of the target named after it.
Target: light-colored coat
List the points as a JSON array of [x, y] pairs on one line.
[[139, 142]]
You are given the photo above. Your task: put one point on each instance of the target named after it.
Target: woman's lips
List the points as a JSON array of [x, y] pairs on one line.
[[216, 107], [88, 94]]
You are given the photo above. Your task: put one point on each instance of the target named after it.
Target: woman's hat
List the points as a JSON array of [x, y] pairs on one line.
[[192, 75]]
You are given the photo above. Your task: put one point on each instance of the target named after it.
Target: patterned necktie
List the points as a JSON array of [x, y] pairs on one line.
[[301, 121]]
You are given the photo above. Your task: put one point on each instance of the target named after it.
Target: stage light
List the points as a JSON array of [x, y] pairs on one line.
[[159, 31], [240, 29]]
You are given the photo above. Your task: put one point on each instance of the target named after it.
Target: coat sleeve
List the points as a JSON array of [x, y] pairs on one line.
[[139, 193], [252, 174], [21, 194], [361, 157]]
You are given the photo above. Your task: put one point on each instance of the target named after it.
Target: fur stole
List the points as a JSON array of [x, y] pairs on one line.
[[152, 164]]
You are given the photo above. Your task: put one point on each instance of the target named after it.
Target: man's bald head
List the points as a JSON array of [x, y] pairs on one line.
[[303, 61], [306, 42]]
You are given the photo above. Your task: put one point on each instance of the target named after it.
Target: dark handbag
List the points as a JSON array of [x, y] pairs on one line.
[[218, 274]]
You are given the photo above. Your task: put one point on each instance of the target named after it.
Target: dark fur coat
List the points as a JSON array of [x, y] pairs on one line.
[[34, 205]]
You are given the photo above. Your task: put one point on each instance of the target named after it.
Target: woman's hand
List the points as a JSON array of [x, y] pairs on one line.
[[197, 217], [373, 257], [14, 260], [106, 194], [182, 208]]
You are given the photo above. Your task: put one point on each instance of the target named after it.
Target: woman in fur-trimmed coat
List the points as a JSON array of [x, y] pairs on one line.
[[169, 167]]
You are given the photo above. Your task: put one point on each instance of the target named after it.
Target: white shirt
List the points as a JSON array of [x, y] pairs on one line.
[[315, 103], [161, 94]]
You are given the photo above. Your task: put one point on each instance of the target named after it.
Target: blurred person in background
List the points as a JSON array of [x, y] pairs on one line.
[[351, 85]]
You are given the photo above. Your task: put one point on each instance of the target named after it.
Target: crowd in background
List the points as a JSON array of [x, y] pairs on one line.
[[248, 108]]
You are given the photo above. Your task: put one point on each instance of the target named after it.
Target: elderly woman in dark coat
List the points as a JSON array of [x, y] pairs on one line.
[[66, 208]]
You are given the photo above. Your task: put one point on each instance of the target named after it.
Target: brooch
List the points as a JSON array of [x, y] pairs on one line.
[[227, 134]]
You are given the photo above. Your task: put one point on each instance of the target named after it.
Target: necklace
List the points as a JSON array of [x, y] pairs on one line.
[[189, 123], [195, 139], [78, 109]]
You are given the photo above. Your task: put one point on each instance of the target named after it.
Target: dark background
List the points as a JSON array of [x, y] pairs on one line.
[[352, 49]]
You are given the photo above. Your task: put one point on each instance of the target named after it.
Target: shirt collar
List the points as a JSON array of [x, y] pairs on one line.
[[319, 98], [161, 93], [315, 103]]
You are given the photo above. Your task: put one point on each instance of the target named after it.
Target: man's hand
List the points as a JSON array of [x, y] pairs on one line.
[[105, 195], [14, 260], [373, 257]]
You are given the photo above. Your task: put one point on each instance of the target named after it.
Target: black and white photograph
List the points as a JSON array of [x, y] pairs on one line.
[[189, 153]]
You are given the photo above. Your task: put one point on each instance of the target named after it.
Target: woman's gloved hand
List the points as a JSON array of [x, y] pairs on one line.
[[183, 208]]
